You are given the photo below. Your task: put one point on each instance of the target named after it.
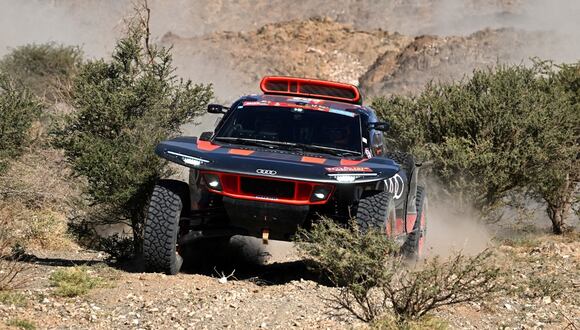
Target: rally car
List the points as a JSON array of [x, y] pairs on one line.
[[281, 160]]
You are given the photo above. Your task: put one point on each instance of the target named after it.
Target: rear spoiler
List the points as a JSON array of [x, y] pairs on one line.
[[313, 88]]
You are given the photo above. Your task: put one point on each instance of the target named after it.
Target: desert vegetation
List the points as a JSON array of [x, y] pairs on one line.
[[76, 152], [379, 285], [503, 131], [45, 69], [124, 107]]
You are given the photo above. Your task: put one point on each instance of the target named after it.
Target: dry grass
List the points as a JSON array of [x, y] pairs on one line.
[[544, 267], [10, 268], [35, 196], [388, 322], [12, 298], [21, 324]]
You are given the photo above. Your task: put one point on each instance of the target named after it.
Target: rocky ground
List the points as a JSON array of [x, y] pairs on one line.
[[544, 273]]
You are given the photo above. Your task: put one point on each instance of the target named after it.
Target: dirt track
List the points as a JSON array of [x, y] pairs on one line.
[[279, 295]]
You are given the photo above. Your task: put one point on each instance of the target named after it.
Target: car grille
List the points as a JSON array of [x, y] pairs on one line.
[[267, 188]]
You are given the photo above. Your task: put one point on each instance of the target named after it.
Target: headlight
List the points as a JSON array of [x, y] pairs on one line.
[[212, 181], [350, 177], [189, 160], [320, 193]]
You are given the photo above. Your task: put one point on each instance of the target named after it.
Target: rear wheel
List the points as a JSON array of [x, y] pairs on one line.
[[160, 251], [414, 244], [402, 158], [376, 212]]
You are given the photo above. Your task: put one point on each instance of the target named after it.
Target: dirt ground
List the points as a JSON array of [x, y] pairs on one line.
[[281, 293]]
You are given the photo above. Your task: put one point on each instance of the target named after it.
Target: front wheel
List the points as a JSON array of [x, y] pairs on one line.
[[376, 212], [162, 228]]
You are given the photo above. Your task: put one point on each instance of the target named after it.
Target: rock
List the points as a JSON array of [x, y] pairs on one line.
[[547, 300]]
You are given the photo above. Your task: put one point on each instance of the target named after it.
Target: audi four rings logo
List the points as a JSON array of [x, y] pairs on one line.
[[395, 185], [266, 172]]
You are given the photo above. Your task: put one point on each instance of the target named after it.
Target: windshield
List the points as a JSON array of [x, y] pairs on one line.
[[296, 127]]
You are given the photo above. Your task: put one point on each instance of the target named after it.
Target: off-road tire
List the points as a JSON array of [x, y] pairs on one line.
[[373, 211], [412, 248], [162, 228]]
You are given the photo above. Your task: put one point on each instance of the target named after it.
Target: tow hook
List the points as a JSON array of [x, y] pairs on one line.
[[265, 235]]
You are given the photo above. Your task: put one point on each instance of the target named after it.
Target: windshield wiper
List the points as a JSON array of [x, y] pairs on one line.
[[328, 150], [289, 146], [253, 142]]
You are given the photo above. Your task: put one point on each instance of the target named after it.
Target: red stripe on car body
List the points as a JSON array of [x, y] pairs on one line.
[[313, 160], [350, 162], [241, 152], [206, 146]]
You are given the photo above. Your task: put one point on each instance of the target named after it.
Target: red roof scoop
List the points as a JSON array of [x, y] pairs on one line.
[[320, 89]]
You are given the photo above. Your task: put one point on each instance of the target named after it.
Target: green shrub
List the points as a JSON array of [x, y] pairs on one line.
[[21, 324], [46, 69], [72, 282], [13, 298], [353, 260], [18, 109], [514, 128], [124, 108], [373, 280]]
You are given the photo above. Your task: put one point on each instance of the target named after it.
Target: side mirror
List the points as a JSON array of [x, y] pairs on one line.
[[217, 108], [205, 136], [380, 126]]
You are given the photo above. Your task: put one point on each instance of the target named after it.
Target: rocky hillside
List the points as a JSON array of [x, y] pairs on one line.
[[433, 58], [380, 62], [318, 48]]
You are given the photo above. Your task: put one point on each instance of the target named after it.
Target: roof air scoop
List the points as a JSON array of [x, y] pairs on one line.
[[313, 88]]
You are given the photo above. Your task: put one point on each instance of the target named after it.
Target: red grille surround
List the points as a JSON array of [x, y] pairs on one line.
[[237, 186]]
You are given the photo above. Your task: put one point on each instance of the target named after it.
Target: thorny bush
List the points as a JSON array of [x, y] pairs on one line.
[[373, 279]]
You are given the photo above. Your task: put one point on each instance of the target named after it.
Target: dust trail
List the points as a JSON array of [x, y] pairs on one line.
[[449, 231]]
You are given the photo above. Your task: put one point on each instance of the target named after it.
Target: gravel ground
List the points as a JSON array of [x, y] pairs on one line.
[[281, 295]]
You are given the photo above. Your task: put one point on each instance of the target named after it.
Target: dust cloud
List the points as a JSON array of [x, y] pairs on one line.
[[94, 25], [449, 231]]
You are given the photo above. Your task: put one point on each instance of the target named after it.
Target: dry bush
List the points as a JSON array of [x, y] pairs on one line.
[[10, 268], [46, 69], [18, 109], [374, 280], [125, 106], [99, 230], [415, 292], [35, 194], [388, 322], [505, 130]]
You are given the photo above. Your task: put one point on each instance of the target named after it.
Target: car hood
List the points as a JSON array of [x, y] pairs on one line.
[[282, 164]]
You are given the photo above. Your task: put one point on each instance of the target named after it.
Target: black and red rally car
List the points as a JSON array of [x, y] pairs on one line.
[[278, 161]]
